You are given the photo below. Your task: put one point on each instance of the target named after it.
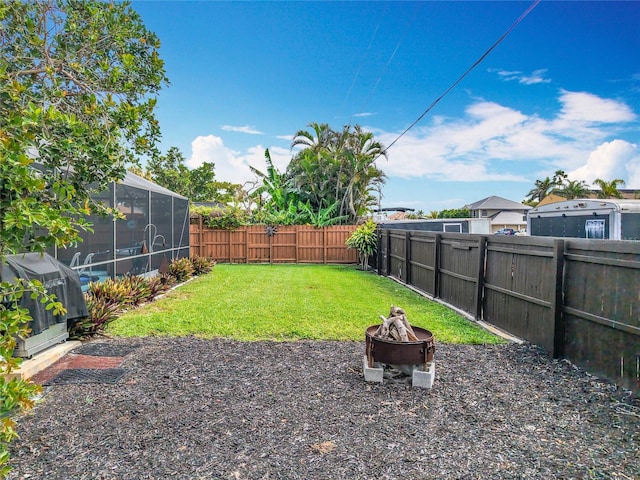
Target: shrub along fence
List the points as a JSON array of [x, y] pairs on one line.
[[578, 299], [280, 244]]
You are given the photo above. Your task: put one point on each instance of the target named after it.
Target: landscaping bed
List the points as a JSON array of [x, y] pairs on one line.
[[193, 408]]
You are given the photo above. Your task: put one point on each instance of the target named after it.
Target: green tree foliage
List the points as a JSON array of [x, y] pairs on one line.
[[170, 171], [455, 213], [337, 166], [275, 193], [77, 92], [543, 188], [609, 189], [198, 184], [571, 189], [562, 186]]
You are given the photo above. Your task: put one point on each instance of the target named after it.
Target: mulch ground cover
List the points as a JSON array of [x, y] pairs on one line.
[[190, 408]]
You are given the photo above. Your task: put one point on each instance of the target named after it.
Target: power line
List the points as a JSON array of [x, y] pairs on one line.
[[454, 84], [393, 54]]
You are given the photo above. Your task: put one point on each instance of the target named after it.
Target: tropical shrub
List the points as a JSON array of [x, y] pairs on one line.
[[102, 310], [158, 285], [226, 218], [137, 288], [364, 240], [181, 269], [202, 265]]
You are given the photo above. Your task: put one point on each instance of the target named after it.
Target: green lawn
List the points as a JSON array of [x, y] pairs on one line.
[[290, 302]]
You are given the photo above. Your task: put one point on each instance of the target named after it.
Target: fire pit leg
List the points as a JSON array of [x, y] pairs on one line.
[[372, 374], [424, 378]]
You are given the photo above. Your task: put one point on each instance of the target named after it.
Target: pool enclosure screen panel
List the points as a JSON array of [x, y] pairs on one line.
[[181, 226], [153, 226]]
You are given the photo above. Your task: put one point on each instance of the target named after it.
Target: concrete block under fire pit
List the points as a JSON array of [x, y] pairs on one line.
[[424, 378], [372, 374], [419, 378]]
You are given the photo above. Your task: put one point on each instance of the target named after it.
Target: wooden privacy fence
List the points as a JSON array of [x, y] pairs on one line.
[[578, 299], [289, 244]]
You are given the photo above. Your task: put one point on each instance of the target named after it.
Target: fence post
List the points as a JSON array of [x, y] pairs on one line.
[[200, 236], [556, 302], [387, 263], [379, 252], [479, 293], [324, 245], [436, 265], [407, 257]]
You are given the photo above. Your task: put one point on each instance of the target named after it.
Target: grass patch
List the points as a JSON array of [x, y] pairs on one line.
[[291, 302]]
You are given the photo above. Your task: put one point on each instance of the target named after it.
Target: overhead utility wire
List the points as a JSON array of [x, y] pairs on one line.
[[475, 64], [386, 67]]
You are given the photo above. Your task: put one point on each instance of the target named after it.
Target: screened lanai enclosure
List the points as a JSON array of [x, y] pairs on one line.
[[154, 231]]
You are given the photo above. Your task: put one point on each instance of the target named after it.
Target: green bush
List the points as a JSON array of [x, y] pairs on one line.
[[137, 288], [364, 240], [181, 269], [110, 290], [106, 300], [202, 265], [226, 218], [158, 285], [102, 310]]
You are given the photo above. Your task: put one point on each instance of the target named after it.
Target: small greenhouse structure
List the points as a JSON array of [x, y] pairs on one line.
[[154, 231]]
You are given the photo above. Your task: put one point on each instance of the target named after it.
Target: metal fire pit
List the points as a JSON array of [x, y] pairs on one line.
[[407, 358], [390, 352]]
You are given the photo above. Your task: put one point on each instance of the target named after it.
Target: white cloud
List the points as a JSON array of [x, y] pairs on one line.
[[609, 161], [491, 142], [496, 143], [233, 166], [364, 114], [586, 108], [537, 76], [243, 129]]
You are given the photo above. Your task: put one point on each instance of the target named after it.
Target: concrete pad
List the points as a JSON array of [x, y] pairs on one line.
[[43, 359], [424, 378], [372, 374]]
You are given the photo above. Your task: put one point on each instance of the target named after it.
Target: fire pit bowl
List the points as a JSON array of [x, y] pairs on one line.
[[418, 352]]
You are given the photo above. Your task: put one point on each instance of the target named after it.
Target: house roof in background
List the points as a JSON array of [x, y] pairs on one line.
[[497, 203]]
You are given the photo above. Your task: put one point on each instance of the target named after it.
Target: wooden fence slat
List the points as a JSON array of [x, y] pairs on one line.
[[576, 298], [291, 244]]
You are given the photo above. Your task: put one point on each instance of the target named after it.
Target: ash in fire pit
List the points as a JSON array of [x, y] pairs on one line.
[[397, 351]]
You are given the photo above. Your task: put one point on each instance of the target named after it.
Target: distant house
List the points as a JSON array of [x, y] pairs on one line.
[[501, 212]]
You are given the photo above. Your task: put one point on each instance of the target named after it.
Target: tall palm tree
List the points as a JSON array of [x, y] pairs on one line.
[[337, 166], [609, 189], [573, 189], [541, 190], [321, 137], [360, 156]]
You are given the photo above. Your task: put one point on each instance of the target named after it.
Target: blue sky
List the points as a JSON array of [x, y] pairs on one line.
[[562, 90]]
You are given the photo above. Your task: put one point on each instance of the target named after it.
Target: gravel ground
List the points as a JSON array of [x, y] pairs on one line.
[[217, 409]]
